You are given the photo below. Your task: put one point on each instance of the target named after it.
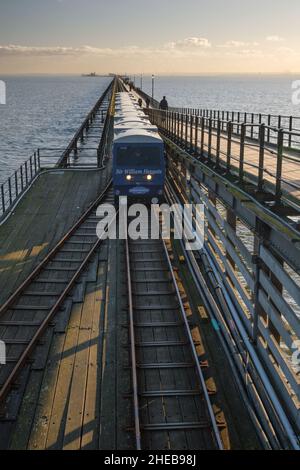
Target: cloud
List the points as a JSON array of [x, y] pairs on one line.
[[235, 44], [191, 42], [184, 46], [192, 47], [17, 50], [246, 53], [274, 39]]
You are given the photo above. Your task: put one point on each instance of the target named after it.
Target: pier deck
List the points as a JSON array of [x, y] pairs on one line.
[[43, 216], [121, 345]]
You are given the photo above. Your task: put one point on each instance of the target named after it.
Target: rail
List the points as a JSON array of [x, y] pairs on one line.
[[52, 299], [15, 186], [251, 258], [270, 169], [289, 124], [79, 135], [169, 332], [70, 256]]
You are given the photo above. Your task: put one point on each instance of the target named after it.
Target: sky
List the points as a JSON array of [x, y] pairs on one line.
[[149, 36]]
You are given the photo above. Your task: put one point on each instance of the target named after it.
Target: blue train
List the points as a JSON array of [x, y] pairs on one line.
[[138, 153]]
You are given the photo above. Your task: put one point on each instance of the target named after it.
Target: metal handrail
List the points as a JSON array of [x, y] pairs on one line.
[[13, 188], [15, 185], [287, 123], [62, 162], [197, 135]]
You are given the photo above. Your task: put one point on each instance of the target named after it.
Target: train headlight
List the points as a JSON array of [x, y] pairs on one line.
[[149, 177], [129, 177]]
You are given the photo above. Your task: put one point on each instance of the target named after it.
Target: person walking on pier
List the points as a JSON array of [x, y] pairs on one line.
[[164, 104], [147, 103]]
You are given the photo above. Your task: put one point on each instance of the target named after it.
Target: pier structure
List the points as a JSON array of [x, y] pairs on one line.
[[115, 344], [247, 175]]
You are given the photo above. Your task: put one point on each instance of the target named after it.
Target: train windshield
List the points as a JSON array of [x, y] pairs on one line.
[[139, 157]]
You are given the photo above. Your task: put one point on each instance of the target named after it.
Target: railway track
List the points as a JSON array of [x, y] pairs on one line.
[[26, 315], [172, 409]]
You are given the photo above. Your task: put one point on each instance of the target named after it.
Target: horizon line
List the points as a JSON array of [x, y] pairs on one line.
[[149, 74]]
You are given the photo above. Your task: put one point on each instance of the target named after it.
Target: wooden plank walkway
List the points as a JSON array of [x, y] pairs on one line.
[[42, 217], [77, 401], [290, 167]]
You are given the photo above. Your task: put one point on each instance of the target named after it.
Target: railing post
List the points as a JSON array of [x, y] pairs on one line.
[[174, 125], [9, 191], [16, 184], [196, 136], [22, 178], [202, 136], [229, 138], [178, 128], [209, 138], [269, 130], [242, 153], [186, 131], [31, 171], [191, 133], [167, 126], [218, 144], [262, 132], [181, 130], [252, 127], [26, 172], [2, 199], [39, 159], [291, 130], [280, 143], [35, 163]]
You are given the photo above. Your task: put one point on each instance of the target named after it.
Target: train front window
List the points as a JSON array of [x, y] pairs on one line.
[[139, 157]]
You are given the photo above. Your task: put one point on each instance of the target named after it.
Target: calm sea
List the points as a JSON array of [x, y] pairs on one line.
[[256, 94], [42, 112], [46, 111]]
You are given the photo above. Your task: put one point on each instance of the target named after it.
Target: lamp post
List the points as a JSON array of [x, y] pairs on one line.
[[141, 81], [152, 86]]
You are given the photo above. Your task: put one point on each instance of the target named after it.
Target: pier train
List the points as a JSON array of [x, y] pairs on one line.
[[139, 167]]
